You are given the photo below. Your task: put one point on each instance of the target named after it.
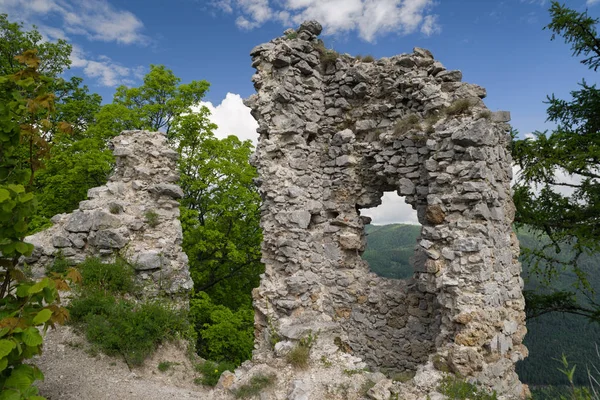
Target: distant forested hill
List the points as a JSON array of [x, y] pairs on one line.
[[390, 248]]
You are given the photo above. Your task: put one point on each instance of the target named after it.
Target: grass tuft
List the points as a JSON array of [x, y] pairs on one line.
[[328, 56], [406, 124], [459, 107], [486, 114], [164, 366], [368, 59], [256, 385]]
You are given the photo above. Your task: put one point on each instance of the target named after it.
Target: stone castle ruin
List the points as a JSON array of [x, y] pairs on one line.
[[134, 216], [335, 134]]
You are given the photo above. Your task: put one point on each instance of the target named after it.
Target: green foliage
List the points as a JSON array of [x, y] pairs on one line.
[[25, 108], [26, 306], [152, 218], [53, 57], [406, 124], [164, 366], [457, 388], [565, 216], [120, 326], [160, 100], [117, 277], [223, 335], [220, 211], [255, 386], [211, 371], [132, 330]]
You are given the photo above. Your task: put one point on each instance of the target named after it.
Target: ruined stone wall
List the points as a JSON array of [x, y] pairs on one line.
[[134, 216], [337, 132]]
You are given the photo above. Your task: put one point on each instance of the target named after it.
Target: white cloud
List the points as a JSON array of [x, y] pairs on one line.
[[233, 118], [592, 2], [370, 18], [94, 19], [393, 210], [104, 69]]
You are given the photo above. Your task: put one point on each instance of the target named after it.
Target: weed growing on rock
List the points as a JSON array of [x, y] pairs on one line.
[[459, 107], [364, 389], [291, 35], [151, 218], [457, 388], [115, 208], [368, 59], [328, 56], [406, 124], [299, 356], [256, 385], [486, 114], [211, 372]]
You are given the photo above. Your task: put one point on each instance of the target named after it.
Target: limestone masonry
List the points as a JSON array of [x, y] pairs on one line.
[[135, 216], [335, 134]]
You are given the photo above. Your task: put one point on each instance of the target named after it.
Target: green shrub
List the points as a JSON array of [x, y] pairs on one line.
[[118, 326], [59, 265], [406, 124], [256, 385], [458, 389], [459, 107], [291, 35], [223, 334], [211, 371], [152, 218], [122, 327], [368, 59], [114, 277]]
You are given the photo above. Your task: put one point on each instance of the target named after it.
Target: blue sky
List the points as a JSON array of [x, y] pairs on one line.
[[500, 45]]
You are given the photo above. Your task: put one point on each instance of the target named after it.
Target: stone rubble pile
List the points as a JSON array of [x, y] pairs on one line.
[[335, 134], [134, 216]]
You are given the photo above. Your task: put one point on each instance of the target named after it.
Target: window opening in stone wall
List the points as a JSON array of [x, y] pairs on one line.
[[391, 237]]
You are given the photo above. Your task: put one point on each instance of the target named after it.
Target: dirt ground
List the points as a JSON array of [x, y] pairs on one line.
[[73, 372]]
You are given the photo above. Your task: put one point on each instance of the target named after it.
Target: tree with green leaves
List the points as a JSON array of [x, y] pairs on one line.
[[160, 100], [219, 212], [26, 105], [564, 213], [53, 57]]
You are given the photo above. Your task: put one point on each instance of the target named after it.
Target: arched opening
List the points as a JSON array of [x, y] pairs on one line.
[[391, 237]]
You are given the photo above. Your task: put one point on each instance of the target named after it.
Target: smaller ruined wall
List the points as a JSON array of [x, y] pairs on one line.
[[134, 216]]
